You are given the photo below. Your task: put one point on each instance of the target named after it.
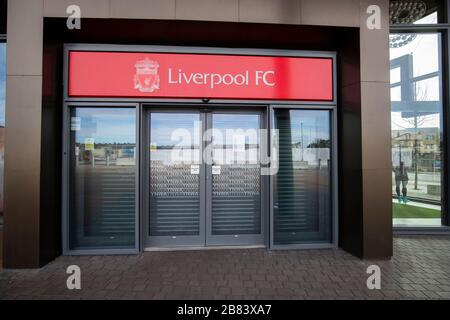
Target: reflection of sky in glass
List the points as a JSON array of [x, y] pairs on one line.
[[108, 125], [228, 127], [235, 121], [395, 75], [170, 129], [396, 94], [315, 125], [424, 50], [2, 82], [429, 19]]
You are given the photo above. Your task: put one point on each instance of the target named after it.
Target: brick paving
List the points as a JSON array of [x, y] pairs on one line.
[[420, 269]]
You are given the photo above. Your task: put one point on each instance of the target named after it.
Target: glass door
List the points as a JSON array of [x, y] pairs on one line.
[[176, 210], [233, 183], [204, 178]]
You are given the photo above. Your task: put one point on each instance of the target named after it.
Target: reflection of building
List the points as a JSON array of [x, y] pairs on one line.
[[424, 141], [108, 154]]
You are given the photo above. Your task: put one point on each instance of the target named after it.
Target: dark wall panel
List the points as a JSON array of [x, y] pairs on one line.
[[3, 14], [350, 146], [51, 135]]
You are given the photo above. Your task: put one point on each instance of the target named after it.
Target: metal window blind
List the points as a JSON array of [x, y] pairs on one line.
[[236, 200], [109, 200], [174, 200]]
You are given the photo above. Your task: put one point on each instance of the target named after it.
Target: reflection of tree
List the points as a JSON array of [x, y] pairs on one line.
[[417, 121], [319, 143]]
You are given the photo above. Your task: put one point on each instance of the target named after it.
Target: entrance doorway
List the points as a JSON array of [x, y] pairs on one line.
[[203, 179]]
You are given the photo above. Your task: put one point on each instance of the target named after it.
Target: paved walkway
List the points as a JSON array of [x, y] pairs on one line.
[[420, 268]]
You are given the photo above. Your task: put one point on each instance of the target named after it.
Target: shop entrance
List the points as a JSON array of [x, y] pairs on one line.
[[148, 164], [203, 181]]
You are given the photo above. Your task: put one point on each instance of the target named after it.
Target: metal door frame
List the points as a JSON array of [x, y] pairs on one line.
[[168, 241], [155, 242], [244, 240], [65, 190]]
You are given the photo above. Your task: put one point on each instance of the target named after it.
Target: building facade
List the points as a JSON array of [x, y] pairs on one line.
[[197, 123]]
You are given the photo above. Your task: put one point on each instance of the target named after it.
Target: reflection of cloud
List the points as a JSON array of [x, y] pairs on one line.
[[2, 112], [315, 126], [120, 133], [169, 129], [2, 89], [169, 136], [428, 121], [2, 60], [425, 52], [107, 125]]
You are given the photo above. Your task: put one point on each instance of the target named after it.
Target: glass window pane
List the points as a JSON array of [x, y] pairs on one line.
[[419, 46], [395, 75], [236, 190], [2, 120], [416, 122], [175, 143], [416, 12], [302, 186], [396, 93], [102, 178]]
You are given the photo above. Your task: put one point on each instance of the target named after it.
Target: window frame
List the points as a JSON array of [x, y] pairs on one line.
[[334, 180], [66, 181], [444, 30], [3, 40]]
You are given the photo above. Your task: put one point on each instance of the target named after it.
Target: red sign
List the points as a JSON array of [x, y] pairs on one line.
[[176, 75]]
